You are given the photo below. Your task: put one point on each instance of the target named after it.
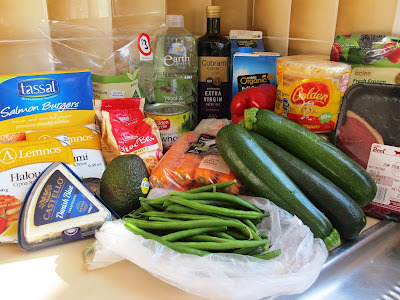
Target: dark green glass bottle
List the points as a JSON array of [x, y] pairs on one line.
[[214, 52]]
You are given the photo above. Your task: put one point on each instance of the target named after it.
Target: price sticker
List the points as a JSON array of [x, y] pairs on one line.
[[146, 53]]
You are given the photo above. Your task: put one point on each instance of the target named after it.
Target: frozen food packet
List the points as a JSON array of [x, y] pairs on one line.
[[367, 49], [20, 164]]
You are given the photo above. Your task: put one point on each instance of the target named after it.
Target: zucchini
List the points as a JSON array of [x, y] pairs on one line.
[[344, 213], [264, 178], [315, 151]]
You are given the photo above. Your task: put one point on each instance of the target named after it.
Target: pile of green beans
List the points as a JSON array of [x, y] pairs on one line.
[[201, 221]]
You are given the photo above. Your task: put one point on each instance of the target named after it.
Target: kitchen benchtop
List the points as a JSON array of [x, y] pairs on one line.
[[365, 267]]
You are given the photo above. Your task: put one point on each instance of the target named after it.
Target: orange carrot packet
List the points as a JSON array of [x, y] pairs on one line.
[[193, 160]]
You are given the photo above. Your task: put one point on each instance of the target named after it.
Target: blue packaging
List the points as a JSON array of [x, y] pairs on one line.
[[45, 100], [251, 69]]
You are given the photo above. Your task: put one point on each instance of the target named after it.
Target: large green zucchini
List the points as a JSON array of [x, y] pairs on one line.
[[344, 213], [315, 151], [263, 177]]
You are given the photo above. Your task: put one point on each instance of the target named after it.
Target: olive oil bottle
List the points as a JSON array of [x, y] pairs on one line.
[[214, 58]]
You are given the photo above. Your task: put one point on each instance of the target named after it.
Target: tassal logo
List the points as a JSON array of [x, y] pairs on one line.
[[38, 87]]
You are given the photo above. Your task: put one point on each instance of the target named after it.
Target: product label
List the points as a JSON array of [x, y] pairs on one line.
[[21, 164], [213, 87], [146, 54], [119, 86], [248, 81], [177, 56], [60, 200], [214, 162], [38, 101], [86, 147], [145, 185], [178, 90], [375, 75], [205, 145], [313, 103], [171, 127], [384, 167]]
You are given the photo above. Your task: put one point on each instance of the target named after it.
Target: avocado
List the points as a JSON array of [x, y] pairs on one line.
[[124, 180]]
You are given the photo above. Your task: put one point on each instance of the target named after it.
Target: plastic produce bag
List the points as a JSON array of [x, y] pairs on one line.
[[222, 276], [193, 160]]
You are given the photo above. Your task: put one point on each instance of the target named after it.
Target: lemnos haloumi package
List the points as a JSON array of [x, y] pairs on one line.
[[20, 164], [86, 146], [40, 101]]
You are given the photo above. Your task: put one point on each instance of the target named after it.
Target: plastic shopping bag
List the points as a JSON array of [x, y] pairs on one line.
[[222, 276]]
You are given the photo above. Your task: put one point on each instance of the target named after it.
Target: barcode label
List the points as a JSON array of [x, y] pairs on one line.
[[381, 194]]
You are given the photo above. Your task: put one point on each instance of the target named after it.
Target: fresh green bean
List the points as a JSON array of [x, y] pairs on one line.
[[155, 201], [173, 246], [244, 229], [177, 208], [216, 196], [146, 206], [259, 250], [223, 235], [178, 235], [251, 225], [263, 235], [136, 212], [212, 187], [167, 203], [164, 219], [218, 203], [245, 251], [205, 238], [238, 235], [221, 246], [165, 214], [269, 255], [218, 210], [178, 225]]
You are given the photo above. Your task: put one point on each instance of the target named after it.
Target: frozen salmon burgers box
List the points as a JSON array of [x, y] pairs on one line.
[[39, 101]]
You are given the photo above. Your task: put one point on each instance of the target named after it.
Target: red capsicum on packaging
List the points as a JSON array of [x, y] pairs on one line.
[[261, 97], [3, 220]]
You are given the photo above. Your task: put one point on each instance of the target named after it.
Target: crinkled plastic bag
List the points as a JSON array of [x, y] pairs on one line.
[[222, 276]]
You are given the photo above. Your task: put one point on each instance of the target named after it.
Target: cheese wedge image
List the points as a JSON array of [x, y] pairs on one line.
[[60, 208]]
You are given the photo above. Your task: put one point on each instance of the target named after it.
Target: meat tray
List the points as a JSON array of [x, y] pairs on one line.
[[378, 105], [370, 114]]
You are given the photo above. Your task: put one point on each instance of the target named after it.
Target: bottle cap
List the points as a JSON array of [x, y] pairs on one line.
[[175, 21], [213, 11]]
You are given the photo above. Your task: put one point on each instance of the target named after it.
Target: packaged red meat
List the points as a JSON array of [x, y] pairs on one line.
[[368, 132], [193, 160]]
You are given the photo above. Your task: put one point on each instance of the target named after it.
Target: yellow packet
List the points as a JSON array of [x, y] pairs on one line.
[[86, 147], [20, 164]]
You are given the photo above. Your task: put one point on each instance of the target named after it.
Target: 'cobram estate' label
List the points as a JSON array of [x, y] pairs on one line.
[[214, 87]]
